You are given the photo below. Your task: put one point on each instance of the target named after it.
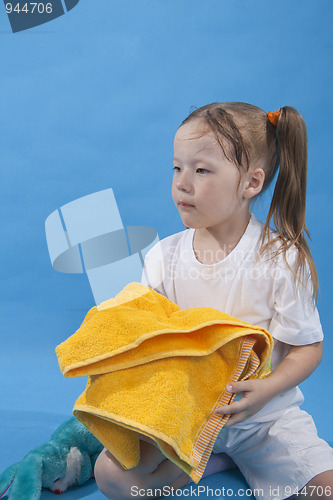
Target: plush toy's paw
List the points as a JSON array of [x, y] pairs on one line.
[[6, 479], [24, 479], [74, 461]]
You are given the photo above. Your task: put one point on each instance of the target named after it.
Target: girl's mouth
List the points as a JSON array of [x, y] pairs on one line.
[[184, 205]]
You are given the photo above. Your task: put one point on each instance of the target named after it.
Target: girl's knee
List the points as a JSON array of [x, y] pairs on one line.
[[101, 473], [153, 473], [109, 477], [320, 487]]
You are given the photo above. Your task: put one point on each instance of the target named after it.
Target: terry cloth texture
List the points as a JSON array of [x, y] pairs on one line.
[[159, 371]]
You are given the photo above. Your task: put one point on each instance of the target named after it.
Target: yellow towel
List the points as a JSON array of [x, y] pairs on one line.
[[159, 371]]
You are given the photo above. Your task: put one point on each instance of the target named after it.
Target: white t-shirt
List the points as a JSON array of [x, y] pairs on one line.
[[256, 290]]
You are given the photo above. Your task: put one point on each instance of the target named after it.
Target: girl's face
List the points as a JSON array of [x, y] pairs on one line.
[[207, 188]]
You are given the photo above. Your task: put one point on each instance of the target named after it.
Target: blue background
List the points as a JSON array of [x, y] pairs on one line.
[[92, 100]]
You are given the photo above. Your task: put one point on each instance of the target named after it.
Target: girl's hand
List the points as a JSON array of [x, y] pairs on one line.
[[256, 394], [298, 364]]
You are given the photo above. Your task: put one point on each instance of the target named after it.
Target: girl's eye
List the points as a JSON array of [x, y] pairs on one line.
[[176, 169], [202, 171]]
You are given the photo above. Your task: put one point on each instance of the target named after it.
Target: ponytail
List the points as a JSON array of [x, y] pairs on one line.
[[287, 208]]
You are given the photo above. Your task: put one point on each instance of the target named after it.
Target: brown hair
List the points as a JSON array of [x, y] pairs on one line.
[[247, 137]]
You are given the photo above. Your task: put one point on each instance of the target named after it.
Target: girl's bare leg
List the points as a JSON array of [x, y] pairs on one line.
[[319, 488], [153, 472]]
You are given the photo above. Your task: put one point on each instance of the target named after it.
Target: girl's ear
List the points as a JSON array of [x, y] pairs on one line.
[[254, 182]]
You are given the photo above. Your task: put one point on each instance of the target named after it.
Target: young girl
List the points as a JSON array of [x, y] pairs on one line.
[[225, 154]]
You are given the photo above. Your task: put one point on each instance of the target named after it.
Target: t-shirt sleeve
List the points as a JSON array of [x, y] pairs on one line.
[[153, 269], [296, 320]]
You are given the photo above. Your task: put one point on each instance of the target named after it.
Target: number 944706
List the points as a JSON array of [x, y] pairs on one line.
[[29, 8]]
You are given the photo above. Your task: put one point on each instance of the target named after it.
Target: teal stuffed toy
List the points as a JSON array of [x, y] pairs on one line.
[[66, 460]]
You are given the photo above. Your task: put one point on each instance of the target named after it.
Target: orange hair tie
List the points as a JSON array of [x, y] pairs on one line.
[[273, 117]]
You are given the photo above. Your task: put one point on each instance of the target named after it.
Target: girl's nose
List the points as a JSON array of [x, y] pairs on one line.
[[183, 182]]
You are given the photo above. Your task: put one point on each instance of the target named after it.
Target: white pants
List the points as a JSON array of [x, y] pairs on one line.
[[277, 458]]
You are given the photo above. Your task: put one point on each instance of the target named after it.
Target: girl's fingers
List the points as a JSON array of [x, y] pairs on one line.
[[230, 409], [223, 410], [234, 419], [243, 386]]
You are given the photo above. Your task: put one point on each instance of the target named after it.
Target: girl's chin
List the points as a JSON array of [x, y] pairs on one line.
[[190, 224], [190, 221]]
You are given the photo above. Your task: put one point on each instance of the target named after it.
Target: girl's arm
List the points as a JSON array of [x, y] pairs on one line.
[[296, 367]]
